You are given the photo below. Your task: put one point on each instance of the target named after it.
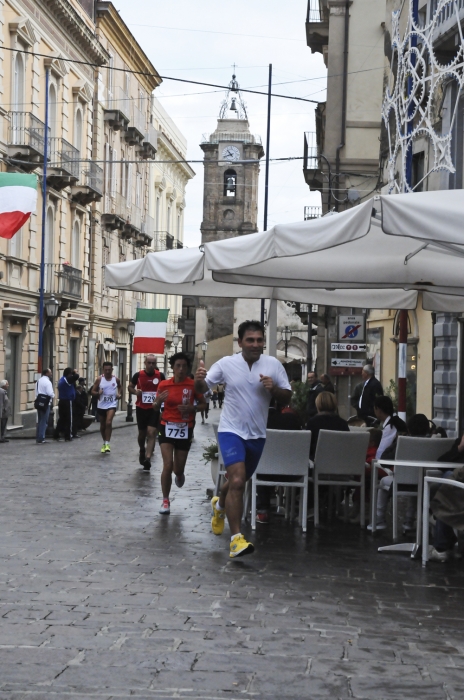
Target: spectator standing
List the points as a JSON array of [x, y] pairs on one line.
[[66, 397], [371, 388], [5, 409], [327, 383], [220, 394], [316, 387], [80, 406], [214, 398], [44, 392]]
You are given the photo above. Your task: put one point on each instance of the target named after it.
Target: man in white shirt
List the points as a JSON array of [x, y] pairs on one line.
[[44, 387], [251, 380]]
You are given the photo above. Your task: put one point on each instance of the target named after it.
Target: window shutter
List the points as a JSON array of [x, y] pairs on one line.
[[107, 168], [129, 186], [113, 172]]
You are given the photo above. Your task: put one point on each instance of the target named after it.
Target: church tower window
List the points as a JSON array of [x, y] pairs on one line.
[[230, 183]]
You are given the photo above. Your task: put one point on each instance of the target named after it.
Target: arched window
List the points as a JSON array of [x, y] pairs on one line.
[[18, 84], [75, 244], [230, 183], [52, 109], [78, 129]]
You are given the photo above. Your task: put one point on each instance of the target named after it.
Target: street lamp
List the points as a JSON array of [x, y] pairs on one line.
[[176, 339], [131, 331], [286, 333], [204, 347], [52, 307]]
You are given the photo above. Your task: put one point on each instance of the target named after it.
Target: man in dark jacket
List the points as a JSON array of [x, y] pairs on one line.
[[316, 387], [372, 388], [66, 396]]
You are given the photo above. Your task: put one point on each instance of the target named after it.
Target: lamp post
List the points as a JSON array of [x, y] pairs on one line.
[[131, 331], [204, 347], [176, 338], [286, 333], [52, 307]]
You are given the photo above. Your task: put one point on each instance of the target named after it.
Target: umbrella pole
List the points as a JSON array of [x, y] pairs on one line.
[[402, 354]]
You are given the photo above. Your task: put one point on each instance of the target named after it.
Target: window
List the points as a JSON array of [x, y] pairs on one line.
[[168, 220], [138, 189], [110, 78], [15, 244], [157, 213], [127, 82], [141, 99], [188, 344], [230, 183], [75, 245], [188, 309], [52, 110], [78, 129], [73, 353], [18, 83], [418, 161]]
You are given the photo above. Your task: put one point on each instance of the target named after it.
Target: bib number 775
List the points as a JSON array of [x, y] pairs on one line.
[[176, 430]]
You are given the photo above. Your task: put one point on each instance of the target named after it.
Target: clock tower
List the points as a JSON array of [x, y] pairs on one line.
[[230, 195]]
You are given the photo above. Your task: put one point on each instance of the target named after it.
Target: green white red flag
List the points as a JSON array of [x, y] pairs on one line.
[[18, 199], [150, 330]]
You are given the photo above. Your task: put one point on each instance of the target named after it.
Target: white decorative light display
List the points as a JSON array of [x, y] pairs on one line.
[[416, 90]]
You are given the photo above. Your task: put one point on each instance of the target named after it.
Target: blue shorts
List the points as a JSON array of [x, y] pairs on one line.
[[236, 449]]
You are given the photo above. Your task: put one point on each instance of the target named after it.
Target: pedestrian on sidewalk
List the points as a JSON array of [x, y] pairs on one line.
[[108, 389], [44, 396], [5, 409], [252, 379], [66, 396]]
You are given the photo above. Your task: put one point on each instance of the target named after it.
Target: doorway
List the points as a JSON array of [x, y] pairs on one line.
[[13, 374], [122, 376]]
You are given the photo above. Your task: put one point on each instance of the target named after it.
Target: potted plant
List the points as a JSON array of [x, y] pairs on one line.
[[210, 454]]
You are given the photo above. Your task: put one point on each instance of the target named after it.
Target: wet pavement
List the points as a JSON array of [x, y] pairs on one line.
[[102, 597]]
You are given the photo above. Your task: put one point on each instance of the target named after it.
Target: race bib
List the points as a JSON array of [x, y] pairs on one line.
[[176, 430], [109, 399], [148, 396]]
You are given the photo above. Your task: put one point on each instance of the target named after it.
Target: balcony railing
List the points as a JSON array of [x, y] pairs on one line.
[[162, 240], [173, 323], [64, 156], [92, 176], [313, 13], [447, 15], [138, 119], [312, 213], [119, 101], [311, 155], [241, 136], [148, 225], [27, 130], [64, 280]]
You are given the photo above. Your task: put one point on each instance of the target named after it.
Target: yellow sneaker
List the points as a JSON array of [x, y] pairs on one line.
[[108, 448], [103, 449], [218, 519], [239, 547]]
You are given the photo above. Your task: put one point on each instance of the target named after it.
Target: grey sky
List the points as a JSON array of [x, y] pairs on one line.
[[251, 34]]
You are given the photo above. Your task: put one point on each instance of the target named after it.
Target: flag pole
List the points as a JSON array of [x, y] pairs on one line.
[[266, 179], [44, 211]]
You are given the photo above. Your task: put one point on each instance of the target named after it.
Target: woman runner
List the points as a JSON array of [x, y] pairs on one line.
[[176, 428]]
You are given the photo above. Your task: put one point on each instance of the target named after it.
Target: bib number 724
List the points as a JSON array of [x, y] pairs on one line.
[[176, 430]]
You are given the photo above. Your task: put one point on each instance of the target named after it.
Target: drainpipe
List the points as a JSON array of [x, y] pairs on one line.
[[344, 98]]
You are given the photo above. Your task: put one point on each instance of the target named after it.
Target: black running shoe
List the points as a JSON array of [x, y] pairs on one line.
[[146, 465], [180, 481], [142, 457]]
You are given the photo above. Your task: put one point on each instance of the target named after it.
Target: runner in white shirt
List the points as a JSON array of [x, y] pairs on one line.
[[108, 389], [251, 380]]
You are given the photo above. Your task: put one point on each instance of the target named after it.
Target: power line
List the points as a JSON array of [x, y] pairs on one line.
[[210, 31]]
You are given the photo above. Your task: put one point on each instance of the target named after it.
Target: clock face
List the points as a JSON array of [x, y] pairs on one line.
[[231, 153]]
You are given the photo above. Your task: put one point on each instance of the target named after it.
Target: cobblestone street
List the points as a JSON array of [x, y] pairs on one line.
[[102, 597]]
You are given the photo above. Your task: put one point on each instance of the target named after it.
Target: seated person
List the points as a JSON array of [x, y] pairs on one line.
[[327, 418], [279, 418], [356, 421], [418, 426]]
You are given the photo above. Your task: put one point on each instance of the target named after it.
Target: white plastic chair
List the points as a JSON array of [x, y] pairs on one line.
[[425, 510], [286, 452], [342, 454], [410, 449], [358, 428]]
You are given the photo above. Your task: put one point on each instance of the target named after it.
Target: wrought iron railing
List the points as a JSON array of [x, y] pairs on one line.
[[138, 119], [27, 130], [310, 153], [314, 13], [63, 279], [151, 136], [64, 156], [162, 240], [92, 176], [312, 213], [173, 323]]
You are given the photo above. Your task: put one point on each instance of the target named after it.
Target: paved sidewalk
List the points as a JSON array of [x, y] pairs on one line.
[[102, 597], [119, 421]]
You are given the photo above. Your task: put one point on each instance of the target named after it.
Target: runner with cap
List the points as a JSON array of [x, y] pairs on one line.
[[251, 380], [144, 385], [108, 389]]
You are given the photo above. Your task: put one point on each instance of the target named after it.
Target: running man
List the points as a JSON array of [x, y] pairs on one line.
[[144, 385], [252, 379], [108, 389], [176, 427]]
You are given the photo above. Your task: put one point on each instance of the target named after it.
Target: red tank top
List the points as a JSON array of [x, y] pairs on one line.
[[148, 384]]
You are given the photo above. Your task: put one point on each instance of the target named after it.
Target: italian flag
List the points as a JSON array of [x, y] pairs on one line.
[[150, 330], [18, 199]]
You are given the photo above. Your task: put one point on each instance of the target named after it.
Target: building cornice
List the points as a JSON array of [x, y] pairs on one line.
[[173, 153], [116, 30], [74, 26]]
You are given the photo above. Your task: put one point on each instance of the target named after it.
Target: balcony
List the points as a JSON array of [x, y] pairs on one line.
[[135, 131], [64, 166], [65, 283], [311, 166], [147, 231], [445, 30], [149, 144], [26, 139], [317, 25], [163, 240], [90, 188], [117, 111], [312, 213]]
